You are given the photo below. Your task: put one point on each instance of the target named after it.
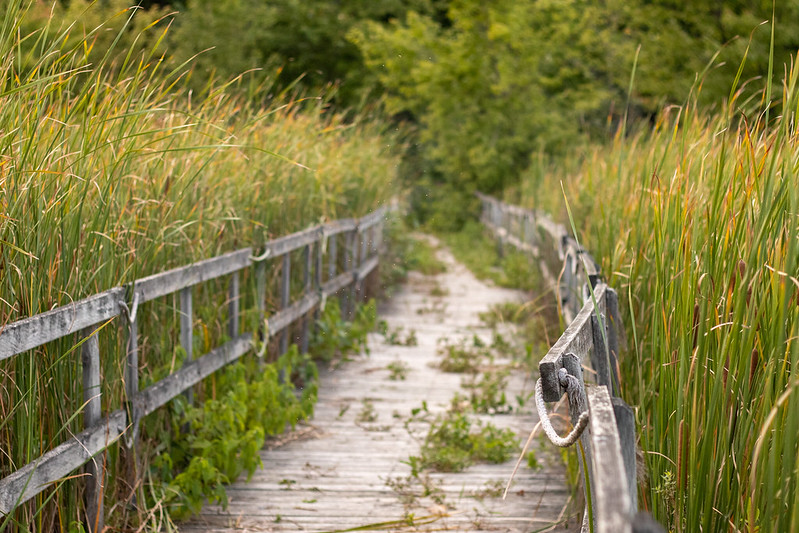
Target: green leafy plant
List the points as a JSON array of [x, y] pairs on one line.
[[487, 391], [398, 337], [335, 337], [398, 370], [454, 442], [463, 356], [225, 434], [367, 413]]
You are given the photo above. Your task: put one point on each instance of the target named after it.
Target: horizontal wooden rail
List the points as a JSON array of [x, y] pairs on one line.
[[32, 332], [57, 464], [609, 491], [578, 339], [593, 335]]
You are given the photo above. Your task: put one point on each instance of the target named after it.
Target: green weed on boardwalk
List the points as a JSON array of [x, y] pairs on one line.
[[696, 222]]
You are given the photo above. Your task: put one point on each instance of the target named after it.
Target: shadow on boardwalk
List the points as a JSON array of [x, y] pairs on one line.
[[346, 470]]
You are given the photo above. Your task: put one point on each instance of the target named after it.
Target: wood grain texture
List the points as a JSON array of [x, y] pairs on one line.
[[612, 507], [29, 333], [176, 279], [577, 339], [59, 462], [191, 373]]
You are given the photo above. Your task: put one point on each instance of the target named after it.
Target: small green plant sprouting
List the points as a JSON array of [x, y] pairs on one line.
[[395, 337], [367, 413], [287, 483], [437, 307], [492, 489], [398, 370], [487, 395], [461, 357], [532, 461], [438, 291]]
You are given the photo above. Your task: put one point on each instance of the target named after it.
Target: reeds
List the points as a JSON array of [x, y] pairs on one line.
[[696, 222], [110, 171]]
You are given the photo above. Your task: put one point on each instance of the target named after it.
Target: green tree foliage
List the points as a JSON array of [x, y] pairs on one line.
[[108, 32], [290, 38], [506, 79]]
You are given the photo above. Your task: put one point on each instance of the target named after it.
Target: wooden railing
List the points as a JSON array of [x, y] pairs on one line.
[[594, 334], [362, 238]]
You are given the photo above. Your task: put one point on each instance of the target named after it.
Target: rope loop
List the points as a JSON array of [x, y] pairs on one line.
[[130, 314], [263, 257], [572, 385], [260, 351]]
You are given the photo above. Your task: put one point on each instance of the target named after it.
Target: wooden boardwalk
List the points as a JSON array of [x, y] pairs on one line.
[[345, 469]]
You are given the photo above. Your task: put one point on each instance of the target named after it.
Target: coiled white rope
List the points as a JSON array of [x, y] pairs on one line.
[[571, 384]]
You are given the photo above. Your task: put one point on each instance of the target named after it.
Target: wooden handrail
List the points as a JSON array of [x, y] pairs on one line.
[[592, 335], [82, 315]]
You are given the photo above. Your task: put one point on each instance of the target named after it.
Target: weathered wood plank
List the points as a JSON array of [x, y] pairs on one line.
[[176, 279], [187, 330], [294, 241], [233, 304], [192, 373], [285, 298], [625, 422], [577, 339], [285, 317], [59, 462], [334, 285], [612, 506], [373, 218], [31, 332], [366, 267], [340, 226], [90, 361], [306, 287]]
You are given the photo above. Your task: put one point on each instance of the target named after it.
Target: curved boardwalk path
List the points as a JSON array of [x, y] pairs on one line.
[[344, 469]]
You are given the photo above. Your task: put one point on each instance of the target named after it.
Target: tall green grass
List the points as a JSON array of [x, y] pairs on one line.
[[696, 223], [110, 171]]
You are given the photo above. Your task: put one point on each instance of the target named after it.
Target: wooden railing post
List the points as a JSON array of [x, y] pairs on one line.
[[625, 422], [128, 453], [285, 295], [187, 331], [614, 327], [318, 272], [260, 296], [92, 415], [332, 256], [600, 357], [233, 305], [306, 284], [578, 403], [349, 266]]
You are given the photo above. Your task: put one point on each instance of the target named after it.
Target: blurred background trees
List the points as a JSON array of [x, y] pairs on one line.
[[481, 87]]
